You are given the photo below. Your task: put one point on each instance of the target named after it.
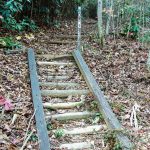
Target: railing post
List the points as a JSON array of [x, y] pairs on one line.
[[79, 29]]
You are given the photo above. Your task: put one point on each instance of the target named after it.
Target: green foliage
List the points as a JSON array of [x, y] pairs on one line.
[[134, 16], [110, 138], [90, 8], [9, 42], [59, 133], [49, 127], [133, 27], [10, 11], [146, 37], [33, 138], [28, 24]]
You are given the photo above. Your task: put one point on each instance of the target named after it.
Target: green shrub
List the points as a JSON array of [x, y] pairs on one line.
[[9, 42], [10, 11]]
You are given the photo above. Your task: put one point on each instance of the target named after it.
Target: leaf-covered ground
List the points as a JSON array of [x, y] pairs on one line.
[[119, 68]]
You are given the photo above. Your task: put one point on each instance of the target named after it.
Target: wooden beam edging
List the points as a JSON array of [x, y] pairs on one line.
[[44, 143], [110, 118]]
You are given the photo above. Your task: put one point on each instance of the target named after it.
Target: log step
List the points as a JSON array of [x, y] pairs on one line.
[[64, 93], [86, 130], [55, 63], [71, 116], [56, 70], [49, 56], [56, 77], [69, 36], [78, 146], [60, 42], [68, 105], [54, 74], [54, 84]]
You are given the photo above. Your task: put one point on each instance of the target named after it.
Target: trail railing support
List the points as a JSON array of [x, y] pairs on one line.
[[44, 143], [79, 29], [110, 118]]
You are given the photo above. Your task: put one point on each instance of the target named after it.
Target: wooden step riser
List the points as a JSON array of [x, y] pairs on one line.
[[58, 84], [68, 105], [64, 93], [70, 116], [86, 130]]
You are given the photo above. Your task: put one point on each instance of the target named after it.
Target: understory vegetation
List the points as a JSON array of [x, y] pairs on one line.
[[126, 17]]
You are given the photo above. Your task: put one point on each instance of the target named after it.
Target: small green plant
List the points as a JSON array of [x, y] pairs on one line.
[[97, 118], [110, 138], [49, 127], [33, 137], [93, 105], [59, 133], [9, 42], [146, 37], [120, 107], [132, 29]]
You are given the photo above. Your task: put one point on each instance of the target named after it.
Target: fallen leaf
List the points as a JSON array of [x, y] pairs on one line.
[[7, 104]]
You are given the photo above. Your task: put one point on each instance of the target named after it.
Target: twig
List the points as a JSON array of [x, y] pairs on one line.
[[27, 139], [29, 125]]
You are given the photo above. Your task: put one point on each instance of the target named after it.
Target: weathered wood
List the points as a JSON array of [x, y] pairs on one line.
[[55, 63], [37, 101], [100, 22], [86, 130], [78, 146], [60, 42], [54, 74], [70, 36], [69, 71], [71, 116], [79, 29], [57, 77], [49, 56], [68, 105], [64, 93], [104, 106], [148, 61], [7, 52], [54, 84]]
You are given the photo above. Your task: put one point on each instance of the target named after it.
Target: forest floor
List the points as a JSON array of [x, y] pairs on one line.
[[119, 68]]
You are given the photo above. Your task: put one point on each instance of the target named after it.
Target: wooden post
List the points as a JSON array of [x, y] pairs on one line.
[[100, 23], [148, 61], [79, 29]]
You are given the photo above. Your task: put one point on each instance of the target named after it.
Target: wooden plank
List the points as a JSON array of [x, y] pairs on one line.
[[71, 116], [60, 42], [109, 116], [49, 56], [69, 36], [59, 84], [38, 106], [55, 63], [56, 77], [69, 71], [64, 93], [94, 129], [67, 105], [78, 146]]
